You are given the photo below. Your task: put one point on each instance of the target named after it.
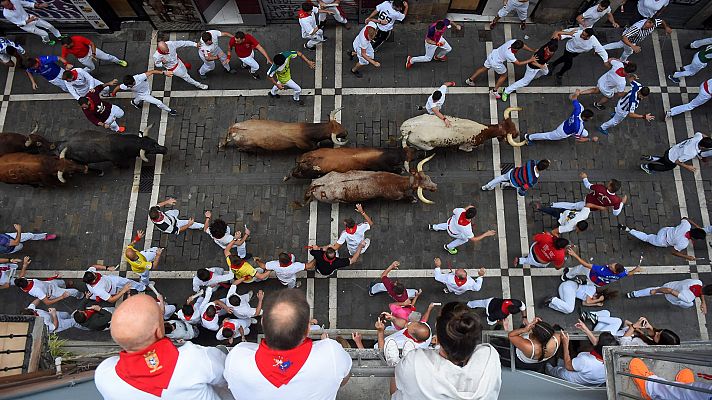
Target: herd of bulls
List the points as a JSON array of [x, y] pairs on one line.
[[340, 174]]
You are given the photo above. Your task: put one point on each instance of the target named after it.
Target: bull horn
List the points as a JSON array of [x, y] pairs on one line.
[[63, 153], [35, 128], [28, 142], [422, 198], [511, 141], [333, 113], [145, 131], [338, 141], [142, 154], [422, 162], [60, 176], [509, 110]]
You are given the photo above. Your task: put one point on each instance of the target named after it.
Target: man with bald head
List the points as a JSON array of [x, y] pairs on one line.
[[457, 282], [166, 56], [150, 367], [287, 364]]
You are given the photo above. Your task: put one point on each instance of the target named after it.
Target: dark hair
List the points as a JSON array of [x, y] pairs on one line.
[[279, 59], [30, 62], [697, 233], [218, 228], [27, 311], [398, 4], [542, 165], [67, 75], [618, 268], [79, 317], [398, 288], [203, 274], [471, 213], [153, 212], [605, 3], [542, 332], [589, 31], [605, 339], [284, 258], [88, 277], [587, 114], [615, 185], [440, 24], [285, 331], [607, 293], [240, 34], [667, 338], [582, 225], [129, 80], [707, 290], [513, 309], [630, 67], [644, 91], [437, 95], [458, 329], [167, 327], [83, 100], [228, 333], [330, 252], [560, 243], [518, 44], [234, 300], [211, 311], [349, 222], [66, 40], [307, 6], [706, 142], [21, 282], [187, 309], [206, 36], [553, 45], [235, 260]]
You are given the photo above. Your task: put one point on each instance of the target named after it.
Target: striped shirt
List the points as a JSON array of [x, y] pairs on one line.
[[628, 103], [525, 177], [636, 34]]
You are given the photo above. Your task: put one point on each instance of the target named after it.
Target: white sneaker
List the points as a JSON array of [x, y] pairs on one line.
[[408, 347], [487, 188], [253, 321], [391, 352], [203, 86]]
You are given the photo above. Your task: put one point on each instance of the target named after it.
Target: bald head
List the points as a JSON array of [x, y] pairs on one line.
[[461, 273], [285, 319], [419, 331], [137, 323], [163, 47]]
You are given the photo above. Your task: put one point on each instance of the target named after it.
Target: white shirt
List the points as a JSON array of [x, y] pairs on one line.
[[611, 81], [308, 23], [352, 240], [223, 241], [585, 291], [648, 8], [687, 149], [455, 229], [212, 48], [319, 378], [470, 284], [578, 45], [198, 371], [82, 85], [181, 330], [569, 218], [107, 286], [592, 15], [685, 298], [211, 324], [401, 339], [388, 13], [436, 104], [194, 319], [170, 61], [589, 371], [46, 318], [675, 235], [362, 42], [243, 310], [140, 86], [6, 272], [285, 274], [218, 275], [238, 322], [42, 289], [18, 16], [503, 53]]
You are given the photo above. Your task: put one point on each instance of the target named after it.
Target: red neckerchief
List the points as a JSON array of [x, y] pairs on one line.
[[160, 218], [688, 235], [460, 281], [285, 265], [51, 278], [158, 49], [327, 260], [505, 306], [351, 230], [598, 356], [237, 267], [303, 14], [205, 314], [89, 312], [696, 290], [151, 369], [406, 334], [462, 220], [75, 74], [280, 366], [211, 275], [229, 325], [30, 283], [620, 72], [187, 317], [97, 278]]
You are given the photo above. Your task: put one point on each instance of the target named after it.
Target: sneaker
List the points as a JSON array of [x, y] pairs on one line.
[[245, 66], [495, 94], [419, 108], [685, 376], [449, 250], [430, 227], [408, 346], [468, 82], [646, 157], [603, 131], [526, 139], [298, 285], [623, 227], [547, 301], [122, 63], [173, 113], [51, 42], [668, 115], [645, 168], [50, 236], [440, 58], [298, 101], [391, 352], [203, 86], [599, 106], [253, 321], [505, 96], [202, 77], [274, 96], [638, 367], [255, 76], [486, 188], [309, 48], [672, 78], [630, 295], [564, 278], [580, 280], [408, 63], [357, 73], [445, 290], [136, 106], [370, 286], [122, 129]]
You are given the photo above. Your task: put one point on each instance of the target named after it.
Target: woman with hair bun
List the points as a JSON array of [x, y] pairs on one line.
[[461, 369], [534, 344]]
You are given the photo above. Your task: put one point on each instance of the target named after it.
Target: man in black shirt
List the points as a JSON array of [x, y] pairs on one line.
[[535, 69], [498, 309], [326, 262]]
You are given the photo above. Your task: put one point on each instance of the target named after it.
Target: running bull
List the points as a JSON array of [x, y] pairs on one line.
[[18, 143], [359, 186], [260, 135], [427, 132], [320, 162], [37, 169]]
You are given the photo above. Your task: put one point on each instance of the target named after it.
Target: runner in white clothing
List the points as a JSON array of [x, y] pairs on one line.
[[232, 326], [335, 7], [436, 101], [497, 60], [521, 7], [308, 15], [702, 97], [239, 304], [168, 222], [571, 290], [353, 234], [14, 11], [210, 277], [589, 17], [459, 227], [458, 282], [209, 51], [150, 367], [79, 82], [166, 56], [286, 269], [613, 82], [109, 288], [219, 231], [49, 291], [8, 266], [141, 88], [56, 321], [678, 293], [211, 311], [385, 16], [363, 49], [677, 237]]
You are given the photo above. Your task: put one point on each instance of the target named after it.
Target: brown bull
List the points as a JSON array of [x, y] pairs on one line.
[[36, 169], [320, 162], [259, 135], [19, 143], [359, 186]]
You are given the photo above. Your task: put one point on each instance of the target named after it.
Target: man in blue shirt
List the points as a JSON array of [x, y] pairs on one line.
[[626, 107], [573, 126], [600, 275], [47, 67]]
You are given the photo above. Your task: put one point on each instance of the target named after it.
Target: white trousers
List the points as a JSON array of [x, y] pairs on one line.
[[576, 271], [568, 205], [431, 50], [529, 75], [530, 260], [566, 302], [702, 42], [150, 255], [606, 323], [139, 97], [556, 134], [514, 5], [627, 50], [210, 65], [60, 287], [660, 391], [38, 28], [504, 180], [25, 236], [182, 72], [670, 298], [116, 113], [701, 99], [338, 16], [290, 84], [658, 239], [88, 62], [60, 83], [616, 119], [65, 321], [690, 69], [484, 303], [380, 288], [314, 39], [251, 62], [458, 241]]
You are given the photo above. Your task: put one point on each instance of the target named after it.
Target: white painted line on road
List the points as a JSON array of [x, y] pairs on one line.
[[6, 92]]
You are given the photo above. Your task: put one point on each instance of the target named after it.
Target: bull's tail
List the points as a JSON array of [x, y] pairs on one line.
[[308, 197]]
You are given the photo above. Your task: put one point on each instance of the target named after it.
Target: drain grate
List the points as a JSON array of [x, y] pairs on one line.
[[145, 184], [484, 35], [505, 168], [139, 36]]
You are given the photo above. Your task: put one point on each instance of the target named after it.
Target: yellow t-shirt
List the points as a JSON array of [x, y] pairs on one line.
[[139, 266], [246, 270]]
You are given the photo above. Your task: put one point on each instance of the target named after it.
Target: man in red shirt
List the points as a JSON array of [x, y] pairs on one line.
[[244, 45], [86, 52], [395, 289], [546, 249], [600, 198], [100, 112]]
